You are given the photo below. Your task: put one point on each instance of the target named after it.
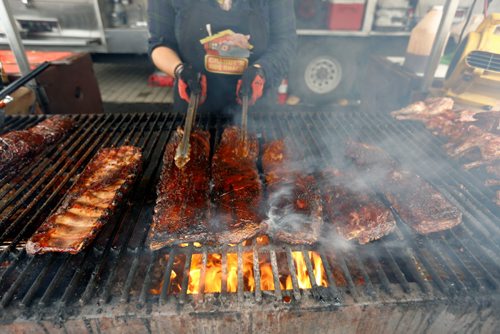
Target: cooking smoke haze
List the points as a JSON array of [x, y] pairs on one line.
[[322, 148]]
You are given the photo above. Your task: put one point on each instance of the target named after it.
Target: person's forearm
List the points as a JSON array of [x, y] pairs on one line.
[[165, 59]]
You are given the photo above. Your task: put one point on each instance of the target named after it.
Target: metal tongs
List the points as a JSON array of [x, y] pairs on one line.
[[244, 124], [182, 152]]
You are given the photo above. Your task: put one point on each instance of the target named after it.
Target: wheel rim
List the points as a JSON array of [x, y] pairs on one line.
[[323, 75]]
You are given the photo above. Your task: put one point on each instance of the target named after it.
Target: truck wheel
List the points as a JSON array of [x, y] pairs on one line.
[[320, 75]]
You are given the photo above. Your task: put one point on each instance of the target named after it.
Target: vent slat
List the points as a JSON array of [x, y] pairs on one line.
[[485, 60]]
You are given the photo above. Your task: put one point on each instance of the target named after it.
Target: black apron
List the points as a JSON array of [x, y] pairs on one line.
[[243, 19]]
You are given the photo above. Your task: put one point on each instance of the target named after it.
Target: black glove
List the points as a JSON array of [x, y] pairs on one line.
[[190, 81], [251, 84]]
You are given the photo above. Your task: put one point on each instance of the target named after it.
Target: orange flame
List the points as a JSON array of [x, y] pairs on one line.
[[213, 273]]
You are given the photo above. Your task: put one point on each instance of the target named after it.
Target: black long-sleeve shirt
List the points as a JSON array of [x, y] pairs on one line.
[[164, 28]]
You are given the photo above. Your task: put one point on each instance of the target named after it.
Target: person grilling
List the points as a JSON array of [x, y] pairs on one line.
[[223, 49]]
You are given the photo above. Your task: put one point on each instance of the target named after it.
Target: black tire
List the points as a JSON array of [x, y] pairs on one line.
[[322, 72]]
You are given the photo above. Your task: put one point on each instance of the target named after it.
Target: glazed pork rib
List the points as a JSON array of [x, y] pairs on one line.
[[354, 213], [89, 203], [182, 203], [420, 205], [295, 214], [237, 190], [487, 143], [373, 160], [18, 147], [422, 110]]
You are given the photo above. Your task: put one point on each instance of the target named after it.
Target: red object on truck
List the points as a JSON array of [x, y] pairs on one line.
[[35, 58], [346, 14]]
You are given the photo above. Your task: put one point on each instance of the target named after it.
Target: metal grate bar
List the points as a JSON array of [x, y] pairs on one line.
[[347, 274], [185, 278], [166, 277], [485, 272], [16, 259], [332, 285], [256, 273], [223, 270], [20, 123], [240, 273], [28, 297], [293, 274], [310, 270], [380, 272], [147, 280], [203, 273], [400, 276], [10, 293], [45, 300], [275, 269], [128, 283]]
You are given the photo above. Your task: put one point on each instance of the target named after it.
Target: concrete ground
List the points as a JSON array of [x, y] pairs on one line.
[[123, 79]]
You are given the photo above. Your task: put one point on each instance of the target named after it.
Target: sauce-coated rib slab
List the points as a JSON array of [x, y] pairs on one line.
[[18, 147], [295, 210], [237, 190], [182, 203], [89, 203]]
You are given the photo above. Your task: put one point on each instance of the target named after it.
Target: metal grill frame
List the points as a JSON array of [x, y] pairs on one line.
[[92, 283]]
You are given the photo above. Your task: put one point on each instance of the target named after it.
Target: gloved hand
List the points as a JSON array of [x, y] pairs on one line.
[[190, 81], [251, 84]]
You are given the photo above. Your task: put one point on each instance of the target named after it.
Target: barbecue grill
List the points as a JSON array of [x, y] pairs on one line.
[[446, 281]]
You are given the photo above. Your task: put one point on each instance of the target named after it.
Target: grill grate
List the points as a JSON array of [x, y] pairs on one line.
[[117, 270]]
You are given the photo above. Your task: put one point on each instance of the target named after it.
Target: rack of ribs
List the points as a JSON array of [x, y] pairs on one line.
[[370, 158], [354, 213], [418, 203], [295, 213], [182, 203], [422, 110], [237, 190], [19, 147], [89, 203], [487, 143]]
